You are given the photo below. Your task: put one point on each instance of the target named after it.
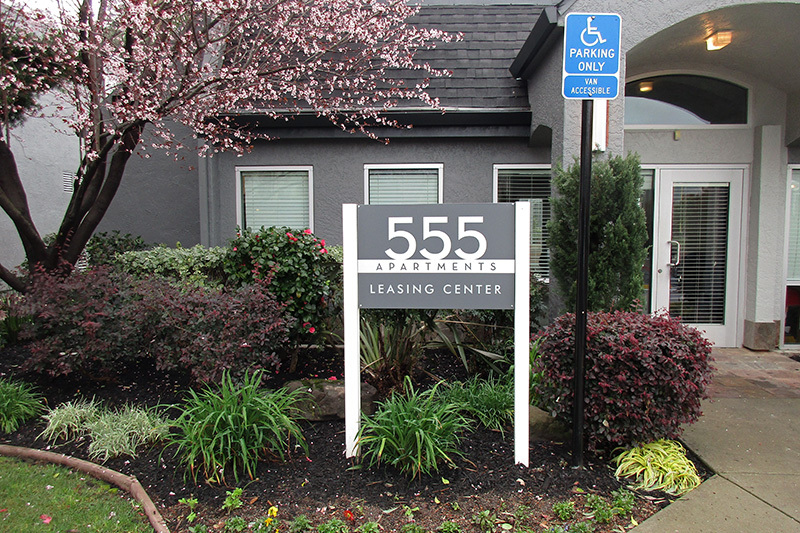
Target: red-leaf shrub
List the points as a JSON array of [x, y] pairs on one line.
[[645, 376], [210, 331], [95, 320], [76, 322]]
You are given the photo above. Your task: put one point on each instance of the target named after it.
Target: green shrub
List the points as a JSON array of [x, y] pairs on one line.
[[645, 376], [298, 271], [660, 465], [104, 248], [618, 240], [19, 402], [197, 265], [414, 432], [230, 427]]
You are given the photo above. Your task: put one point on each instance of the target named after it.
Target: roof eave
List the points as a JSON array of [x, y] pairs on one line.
[[544, 34]]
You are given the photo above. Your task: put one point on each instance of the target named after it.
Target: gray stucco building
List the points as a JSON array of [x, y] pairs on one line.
[[711, 104]]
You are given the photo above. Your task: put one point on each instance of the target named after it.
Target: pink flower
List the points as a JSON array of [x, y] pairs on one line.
[[332, 378], [46, 519], [307, 231], [312, 330], [323, 251], [322, 242], [235, 248], [348, 515]]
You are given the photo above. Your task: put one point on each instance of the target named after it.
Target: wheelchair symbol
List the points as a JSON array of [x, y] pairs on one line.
[[590, 36]]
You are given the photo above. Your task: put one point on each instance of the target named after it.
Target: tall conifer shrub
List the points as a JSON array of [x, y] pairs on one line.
[[618, 240]]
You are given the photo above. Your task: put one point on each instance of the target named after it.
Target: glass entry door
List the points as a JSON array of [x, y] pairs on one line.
[[696, 250]]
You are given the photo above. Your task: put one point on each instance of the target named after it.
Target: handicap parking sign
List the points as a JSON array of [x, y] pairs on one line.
[[591, 55]]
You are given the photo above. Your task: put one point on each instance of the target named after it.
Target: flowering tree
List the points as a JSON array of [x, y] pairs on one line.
[[126, 65]]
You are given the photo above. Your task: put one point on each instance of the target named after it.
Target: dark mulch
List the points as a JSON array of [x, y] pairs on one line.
[[325, 484]]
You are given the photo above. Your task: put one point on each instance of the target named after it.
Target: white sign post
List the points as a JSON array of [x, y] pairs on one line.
[[433, 256]]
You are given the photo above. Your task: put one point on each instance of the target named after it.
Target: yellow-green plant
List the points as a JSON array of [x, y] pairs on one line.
[[659, 465]]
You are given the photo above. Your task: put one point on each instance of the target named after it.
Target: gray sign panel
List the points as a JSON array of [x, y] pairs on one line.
[[441, 256]]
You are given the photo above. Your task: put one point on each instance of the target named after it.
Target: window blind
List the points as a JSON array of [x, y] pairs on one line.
[[793, 273], [404, 186], [275, 198], [533, 186], [700, 225]]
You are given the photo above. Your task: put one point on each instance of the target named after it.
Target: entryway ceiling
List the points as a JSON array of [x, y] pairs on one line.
[[766, 44]]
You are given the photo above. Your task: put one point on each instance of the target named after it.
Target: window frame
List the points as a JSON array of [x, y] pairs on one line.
[[409, 166], [309, 169]]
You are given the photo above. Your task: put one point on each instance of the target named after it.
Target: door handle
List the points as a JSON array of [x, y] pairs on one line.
[[677, 256]]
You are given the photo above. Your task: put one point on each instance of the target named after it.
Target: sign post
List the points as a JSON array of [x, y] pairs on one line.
[[590, 70], [440, 256]]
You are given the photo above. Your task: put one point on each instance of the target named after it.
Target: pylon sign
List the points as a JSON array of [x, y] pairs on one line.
[[591, 56]]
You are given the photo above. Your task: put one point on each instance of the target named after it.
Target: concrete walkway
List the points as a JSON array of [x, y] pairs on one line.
[[749, 435]]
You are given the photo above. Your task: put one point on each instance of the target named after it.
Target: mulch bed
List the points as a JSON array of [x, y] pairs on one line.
[[327, 485]]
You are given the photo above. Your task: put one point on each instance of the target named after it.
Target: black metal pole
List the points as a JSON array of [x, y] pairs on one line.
[[583, 282]]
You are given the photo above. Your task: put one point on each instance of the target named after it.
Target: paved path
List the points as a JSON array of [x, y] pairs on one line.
[[749, 435]]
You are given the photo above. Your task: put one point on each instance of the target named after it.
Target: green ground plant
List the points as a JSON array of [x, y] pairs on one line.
[[413, 432], [123, 431], [334, 525], [659, 465], [111, 432], [564, 510], [449, 527], [228, 428], [19, 402], [70, 420], [299, 524], [46, 497], [489, 401]]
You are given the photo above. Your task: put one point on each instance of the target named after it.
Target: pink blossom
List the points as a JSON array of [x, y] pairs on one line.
[[307, 231], [312, 330], [46, 519]]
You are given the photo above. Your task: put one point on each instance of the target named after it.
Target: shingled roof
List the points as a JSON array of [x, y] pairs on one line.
[[492, 38]]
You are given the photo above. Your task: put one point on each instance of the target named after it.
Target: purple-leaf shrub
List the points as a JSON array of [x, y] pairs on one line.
[[210, 331], [96, 320], [645, 376]]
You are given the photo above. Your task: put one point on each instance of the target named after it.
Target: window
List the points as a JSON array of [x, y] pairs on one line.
[[403, 184], [514, 183], [683, 99], [274, 196], [791, 333]]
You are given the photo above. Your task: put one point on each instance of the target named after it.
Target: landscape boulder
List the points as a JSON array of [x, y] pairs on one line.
[[326, 398]]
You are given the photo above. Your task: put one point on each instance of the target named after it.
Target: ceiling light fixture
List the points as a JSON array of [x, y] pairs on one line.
[[719, 40]]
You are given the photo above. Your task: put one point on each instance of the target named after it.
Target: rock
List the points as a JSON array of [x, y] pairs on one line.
[[545, 427], [327, 398]]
